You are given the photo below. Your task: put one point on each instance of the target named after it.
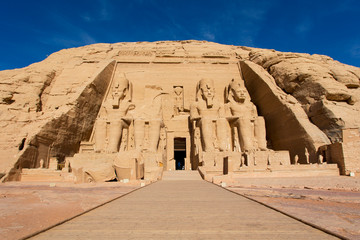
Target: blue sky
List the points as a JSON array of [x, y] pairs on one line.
[[32, 30]]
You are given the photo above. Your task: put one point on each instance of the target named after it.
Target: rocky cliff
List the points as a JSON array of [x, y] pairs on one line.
[[47, 108]]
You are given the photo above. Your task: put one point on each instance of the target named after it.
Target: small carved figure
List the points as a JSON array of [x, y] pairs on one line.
[[307, 156], [162, 144], [179, 99], [242, 160], [321, 159], [296, 159], [209, 115], [66, 167], [197, 141], [41, 163]]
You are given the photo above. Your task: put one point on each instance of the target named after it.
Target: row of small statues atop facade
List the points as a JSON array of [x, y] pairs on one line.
[[207, 114]]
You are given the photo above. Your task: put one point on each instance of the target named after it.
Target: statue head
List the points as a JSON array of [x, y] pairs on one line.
[[206, 89], [120, 88], [237, 91]]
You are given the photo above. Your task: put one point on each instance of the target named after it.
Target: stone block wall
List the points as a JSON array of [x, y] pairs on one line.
[[337, 156], [351, 149], [347, 153]]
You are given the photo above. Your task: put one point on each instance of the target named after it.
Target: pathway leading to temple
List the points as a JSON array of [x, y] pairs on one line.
[[182, 206]]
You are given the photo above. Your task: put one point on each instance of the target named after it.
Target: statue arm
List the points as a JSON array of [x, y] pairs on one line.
[[127, 118], [222, 111], [228, 115], [194, 113], [227, 110], [127, 106], [254, 111], [157, 106]]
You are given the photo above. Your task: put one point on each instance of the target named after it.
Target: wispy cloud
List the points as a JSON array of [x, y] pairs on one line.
[[86, 18], [66, 33], [303, 27], [86, 38], [105, 13], [253, 14], [248, 21], [62, 41], [171, 26], [208, 36], [355, 51]]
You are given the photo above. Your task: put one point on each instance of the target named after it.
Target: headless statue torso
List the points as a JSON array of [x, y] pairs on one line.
[[148, 120]]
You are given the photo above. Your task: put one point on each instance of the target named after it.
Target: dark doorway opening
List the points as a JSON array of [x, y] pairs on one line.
[[180, 159], [179, 153]]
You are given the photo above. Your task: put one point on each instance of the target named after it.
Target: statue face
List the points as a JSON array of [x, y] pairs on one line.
[[239, 92], [207, 89], [120, 88]]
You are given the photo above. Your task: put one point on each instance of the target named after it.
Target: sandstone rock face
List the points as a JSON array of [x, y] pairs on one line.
[[326, 89], [46, 116], [48, 108]]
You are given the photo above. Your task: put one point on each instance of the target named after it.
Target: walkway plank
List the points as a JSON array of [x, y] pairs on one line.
[[183, 209]]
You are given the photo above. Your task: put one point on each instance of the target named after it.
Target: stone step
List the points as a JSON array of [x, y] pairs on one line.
[[44, 175], [181, 175]]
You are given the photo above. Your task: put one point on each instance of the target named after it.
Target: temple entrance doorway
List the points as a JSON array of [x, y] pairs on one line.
[[179, 153]]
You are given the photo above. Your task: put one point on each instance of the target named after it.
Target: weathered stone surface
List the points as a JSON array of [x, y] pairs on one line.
[[66, 116], [48, 108], [326, 89]]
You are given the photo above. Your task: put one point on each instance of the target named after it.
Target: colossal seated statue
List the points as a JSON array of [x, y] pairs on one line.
[[250, 127], [209, 114], [113, 117]]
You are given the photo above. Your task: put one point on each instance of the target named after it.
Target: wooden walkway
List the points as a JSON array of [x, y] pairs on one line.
[[182, 206]]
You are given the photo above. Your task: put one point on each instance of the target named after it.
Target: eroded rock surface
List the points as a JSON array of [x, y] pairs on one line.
[[327, 89]]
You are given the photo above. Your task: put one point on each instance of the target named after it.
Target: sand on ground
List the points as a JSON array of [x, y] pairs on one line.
[[26, 208], [332, 203]]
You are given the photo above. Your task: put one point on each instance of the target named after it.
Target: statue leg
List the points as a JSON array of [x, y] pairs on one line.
[[260, 132], [221, 132], [206, 127], [139, 128], [154, 134], [115, 131], [246, 134], [100, 135]]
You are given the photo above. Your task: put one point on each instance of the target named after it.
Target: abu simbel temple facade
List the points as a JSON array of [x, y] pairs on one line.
[[128, 111]]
